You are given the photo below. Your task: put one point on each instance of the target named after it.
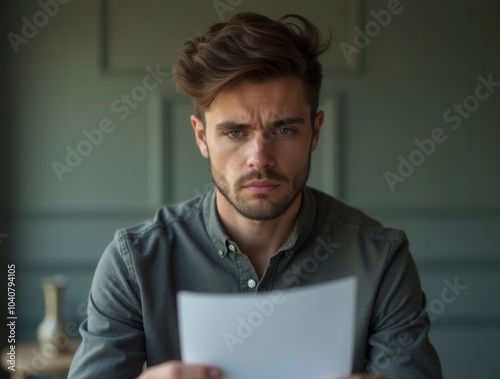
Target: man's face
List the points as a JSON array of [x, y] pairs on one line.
[[258, 138]]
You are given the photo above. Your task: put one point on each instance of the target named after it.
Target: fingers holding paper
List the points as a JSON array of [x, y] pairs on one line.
[[178, 370]]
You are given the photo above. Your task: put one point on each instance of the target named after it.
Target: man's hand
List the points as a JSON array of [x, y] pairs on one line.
[[178, 370]]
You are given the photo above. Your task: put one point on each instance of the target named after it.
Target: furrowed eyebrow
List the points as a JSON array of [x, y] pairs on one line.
[[230, 125], [287, 121], [233, 125]]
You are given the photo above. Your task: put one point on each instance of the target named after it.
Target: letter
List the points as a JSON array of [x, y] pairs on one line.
[[60, 169], [392, 5], [404, 164], [72, 154], [253, 322], [265, 306], [40, 23], [158, 74], [439, 135], [49, 350], [426, 145], [459, 109], [16, 40], [383, 17], [404, 339], [392, 179], [231, 340], [419, 155], [397, 349], [440, 307], [319, 257], [475, 103], [289, 278], [311, 269], [221, 8], [348, 50], [147, 85], [38, 362], [126, 99], [455, 287], [95, 136], [447, 300], [81, 151], [418, 319], [297, 270], [106, 125], [141, 96], [243, 329], [375, 24], [382, 361], [116, 109], [448, 119], [357, 38], [24, 30], [46, 6], [61, 340], [479, 95], [72, 329], [328, 245], [490, 84], [277, 297]]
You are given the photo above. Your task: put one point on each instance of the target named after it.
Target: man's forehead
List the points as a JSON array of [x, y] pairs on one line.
[[270, 99]]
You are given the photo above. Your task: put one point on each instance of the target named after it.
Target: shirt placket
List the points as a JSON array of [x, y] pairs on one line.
[[248, 276]]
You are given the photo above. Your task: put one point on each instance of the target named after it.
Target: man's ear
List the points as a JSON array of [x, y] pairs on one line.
[[317, 123], [199, 133]]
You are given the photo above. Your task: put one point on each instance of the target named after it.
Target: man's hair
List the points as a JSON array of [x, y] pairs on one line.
[[250, 47]]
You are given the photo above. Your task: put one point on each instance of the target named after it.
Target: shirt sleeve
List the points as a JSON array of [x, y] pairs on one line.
[[398, 344], [112, 335]]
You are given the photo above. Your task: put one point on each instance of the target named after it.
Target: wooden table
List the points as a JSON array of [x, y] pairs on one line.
[[31, 360]]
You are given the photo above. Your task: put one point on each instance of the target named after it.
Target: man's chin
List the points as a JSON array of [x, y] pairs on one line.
[[261, 208]]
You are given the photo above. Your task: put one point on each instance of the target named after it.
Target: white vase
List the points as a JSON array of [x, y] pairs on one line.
[[51, 332]]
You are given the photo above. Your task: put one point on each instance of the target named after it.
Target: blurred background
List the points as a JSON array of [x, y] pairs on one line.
[[94, 137]]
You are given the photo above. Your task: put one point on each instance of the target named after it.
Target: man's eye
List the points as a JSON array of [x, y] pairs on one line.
[[234, 133], [284, 131]]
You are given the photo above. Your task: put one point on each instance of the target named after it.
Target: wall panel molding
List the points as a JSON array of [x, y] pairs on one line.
[[137, 34]]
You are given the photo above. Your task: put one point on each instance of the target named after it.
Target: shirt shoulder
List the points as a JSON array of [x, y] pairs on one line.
[[348, 218], [165, 217]]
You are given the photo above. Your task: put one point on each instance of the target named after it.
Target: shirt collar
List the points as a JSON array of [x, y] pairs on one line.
[[301, 230]]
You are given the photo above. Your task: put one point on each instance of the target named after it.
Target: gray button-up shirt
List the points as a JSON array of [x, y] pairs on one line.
[[132, 311]]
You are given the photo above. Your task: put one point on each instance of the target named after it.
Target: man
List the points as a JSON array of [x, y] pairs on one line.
[[255, 83]]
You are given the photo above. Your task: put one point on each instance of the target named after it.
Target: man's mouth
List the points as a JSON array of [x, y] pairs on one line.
[[261, 186]]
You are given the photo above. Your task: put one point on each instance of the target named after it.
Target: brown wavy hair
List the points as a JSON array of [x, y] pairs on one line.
[[254, 47]]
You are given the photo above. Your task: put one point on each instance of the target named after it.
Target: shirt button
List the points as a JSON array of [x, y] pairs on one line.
[[221, 253], [251, 283], [232, 248]]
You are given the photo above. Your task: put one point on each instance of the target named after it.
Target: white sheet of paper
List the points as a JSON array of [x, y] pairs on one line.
[[302, 333]]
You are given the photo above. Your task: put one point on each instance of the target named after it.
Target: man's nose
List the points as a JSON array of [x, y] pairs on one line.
[[261, 154]]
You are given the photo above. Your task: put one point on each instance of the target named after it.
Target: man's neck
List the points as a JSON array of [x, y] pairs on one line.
[[258, 240]]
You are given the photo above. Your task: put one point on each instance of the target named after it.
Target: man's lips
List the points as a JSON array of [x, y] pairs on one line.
[[261, 186]]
